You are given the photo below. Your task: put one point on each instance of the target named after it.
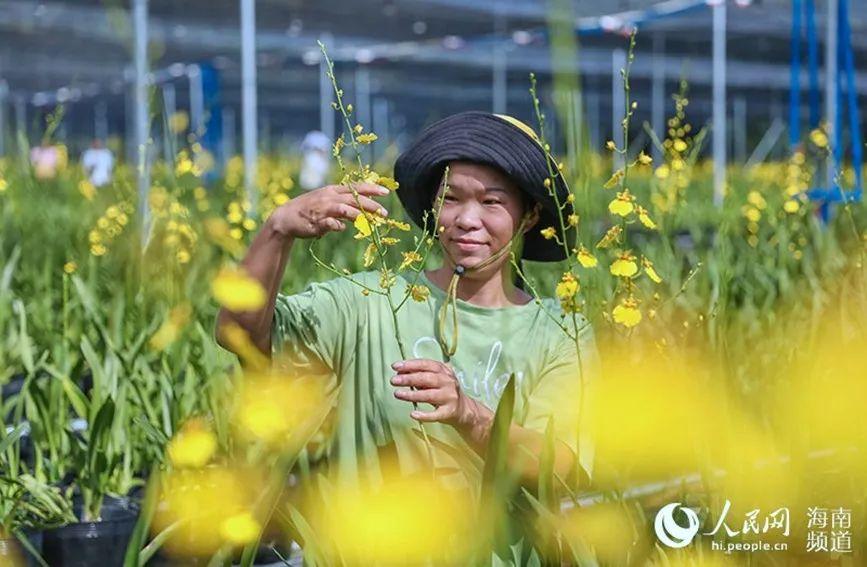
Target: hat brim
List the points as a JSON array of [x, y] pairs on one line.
[[487, 139]]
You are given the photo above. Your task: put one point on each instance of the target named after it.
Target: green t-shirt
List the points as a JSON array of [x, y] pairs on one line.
[[333, 325]]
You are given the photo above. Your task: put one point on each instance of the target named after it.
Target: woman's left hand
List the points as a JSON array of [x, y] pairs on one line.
[[435, 383]]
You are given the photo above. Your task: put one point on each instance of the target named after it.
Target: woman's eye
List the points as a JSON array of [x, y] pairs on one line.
[[492, 202], [449, 198]]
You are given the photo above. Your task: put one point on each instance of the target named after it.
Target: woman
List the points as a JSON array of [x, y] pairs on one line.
[[495, 199]]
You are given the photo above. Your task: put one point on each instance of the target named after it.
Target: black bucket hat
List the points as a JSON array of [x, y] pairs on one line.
[[490, 139]]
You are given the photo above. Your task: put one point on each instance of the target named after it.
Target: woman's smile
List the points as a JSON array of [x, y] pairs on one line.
[[465, 244]]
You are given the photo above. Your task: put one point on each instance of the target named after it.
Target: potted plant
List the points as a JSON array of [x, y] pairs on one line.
[[27, 504]]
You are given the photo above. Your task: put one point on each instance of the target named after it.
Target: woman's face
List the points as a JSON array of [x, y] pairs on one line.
[[481, 210]]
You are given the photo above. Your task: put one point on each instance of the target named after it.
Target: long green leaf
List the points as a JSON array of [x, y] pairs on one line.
[[11, 437], [547, 494], [142, 525], [75, 396], [497, 482]]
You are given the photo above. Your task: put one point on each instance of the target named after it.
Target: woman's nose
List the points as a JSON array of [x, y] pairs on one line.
[[468, 217]]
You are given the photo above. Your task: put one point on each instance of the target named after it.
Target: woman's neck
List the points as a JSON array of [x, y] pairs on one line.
[[495, 291]]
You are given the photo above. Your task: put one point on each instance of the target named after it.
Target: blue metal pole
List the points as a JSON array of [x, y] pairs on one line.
[[848, 64], [813, 62], [795, 77]]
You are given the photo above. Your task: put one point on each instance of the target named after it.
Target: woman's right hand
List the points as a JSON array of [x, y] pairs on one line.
[[323, 210]]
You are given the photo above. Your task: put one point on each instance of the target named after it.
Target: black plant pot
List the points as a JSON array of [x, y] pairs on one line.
[[86, 544], [12, 387]]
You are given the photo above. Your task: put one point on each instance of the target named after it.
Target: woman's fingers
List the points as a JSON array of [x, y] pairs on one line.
[[333, 224], [417, 380], [366, 203], [442, 413], [419, 365], [344, 210], [368, 189], [434, 397]]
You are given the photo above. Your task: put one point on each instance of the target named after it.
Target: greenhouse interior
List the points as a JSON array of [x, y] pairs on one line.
[[433, 282]]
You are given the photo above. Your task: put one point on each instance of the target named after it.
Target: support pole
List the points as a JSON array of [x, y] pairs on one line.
[[831, 86], [197, 100], [140, 27], [719, 102], [248, 97], [795, 77]]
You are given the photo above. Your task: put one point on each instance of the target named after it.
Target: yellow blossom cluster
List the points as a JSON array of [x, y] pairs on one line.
[[108, 227], [200, 194], [178, 235], [239, 223], [196, 162], [87, 190], [797, 182], [627, 313], [274, 180], [673, 175], [567, 292], [379, 231]]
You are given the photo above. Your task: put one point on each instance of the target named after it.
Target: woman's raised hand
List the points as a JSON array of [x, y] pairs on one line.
[[323, 210]]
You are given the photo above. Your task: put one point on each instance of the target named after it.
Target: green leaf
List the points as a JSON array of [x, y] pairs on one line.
[[76, 397], [498, 444], [134, 555], [99, 434], [312, 545], [25, 346], [25, 543], [11, 437], [9, 269], [547, 494], [497, 482]]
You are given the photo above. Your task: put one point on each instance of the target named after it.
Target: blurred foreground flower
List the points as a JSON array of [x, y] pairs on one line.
[[271, 407], [219, 232], [239, 342], [652, 416], [171, 328], [406, 521], [610, 531], [206, 509], [237, 291], [193, 446]]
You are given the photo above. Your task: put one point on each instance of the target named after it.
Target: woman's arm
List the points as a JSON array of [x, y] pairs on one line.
[[526, 444], [265, 262], [310, 215], [437, 384]]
